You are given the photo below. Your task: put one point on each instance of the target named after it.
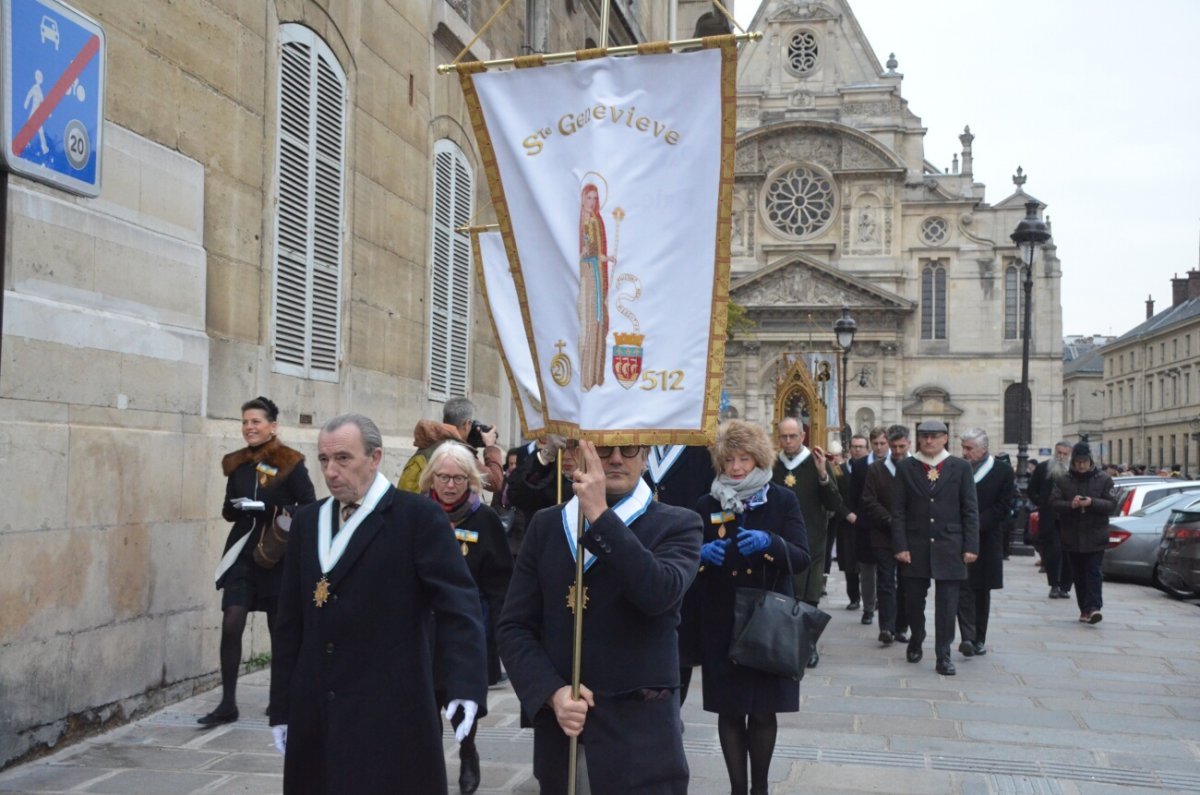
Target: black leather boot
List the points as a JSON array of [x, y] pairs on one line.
[[468, 771]]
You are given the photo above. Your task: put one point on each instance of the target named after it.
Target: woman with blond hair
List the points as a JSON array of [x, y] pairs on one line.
[[753, 528], [452, 480]]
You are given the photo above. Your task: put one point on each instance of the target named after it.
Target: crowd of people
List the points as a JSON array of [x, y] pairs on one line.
[[387, 604]]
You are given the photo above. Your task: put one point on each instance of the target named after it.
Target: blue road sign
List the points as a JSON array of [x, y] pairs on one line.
[[53, 94]]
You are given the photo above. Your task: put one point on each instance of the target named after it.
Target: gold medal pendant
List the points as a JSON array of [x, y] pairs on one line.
[[933, 475], [321, 592], [721, 531], [262, 479], [464, 548], [790, 480], [571, 598]]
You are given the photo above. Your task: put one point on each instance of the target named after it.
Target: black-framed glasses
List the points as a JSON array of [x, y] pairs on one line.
[[627, 450], [457, 480]]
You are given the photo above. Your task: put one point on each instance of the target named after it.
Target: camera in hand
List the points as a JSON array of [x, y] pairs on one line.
[[475, 437]]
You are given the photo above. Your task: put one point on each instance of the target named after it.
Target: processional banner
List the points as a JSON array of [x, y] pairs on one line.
[[504, 307], [612, 180]]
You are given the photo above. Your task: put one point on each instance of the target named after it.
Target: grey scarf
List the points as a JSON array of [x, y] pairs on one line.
[[733, 494]]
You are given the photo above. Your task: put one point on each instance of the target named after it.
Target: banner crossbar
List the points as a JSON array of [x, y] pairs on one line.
[[574, 55]]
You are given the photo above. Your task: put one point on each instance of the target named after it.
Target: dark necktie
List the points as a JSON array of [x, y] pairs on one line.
[[346, 512]]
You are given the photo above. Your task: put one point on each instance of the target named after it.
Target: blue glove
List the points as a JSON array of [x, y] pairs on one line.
[[713, 553], [752, 541]]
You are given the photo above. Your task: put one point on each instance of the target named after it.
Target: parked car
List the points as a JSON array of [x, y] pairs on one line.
[[1179, 551], [1133, 540], [1135, 496]]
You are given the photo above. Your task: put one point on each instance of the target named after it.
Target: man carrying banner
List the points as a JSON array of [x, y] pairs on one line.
[[640, 556]]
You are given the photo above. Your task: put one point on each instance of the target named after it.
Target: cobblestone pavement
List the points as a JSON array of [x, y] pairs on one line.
[[1054, 707]]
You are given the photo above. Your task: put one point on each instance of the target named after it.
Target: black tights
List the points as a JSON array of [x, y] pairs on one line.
[[747, 735], [232, 626]]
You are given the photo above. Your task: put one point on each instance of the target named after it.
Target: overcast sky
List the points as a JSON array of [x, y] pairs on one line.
[[1097, 100]]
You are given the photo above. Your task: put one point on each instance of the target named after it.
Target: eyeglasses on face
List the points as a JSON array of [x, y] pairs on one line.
[[627, 450], [457, 480]]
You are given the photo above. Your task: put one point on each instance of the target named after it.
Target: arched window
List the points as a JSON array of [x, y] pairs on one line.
[[1012, 414], [450, 295], [310, 206], [1012, 303], [933, 301]]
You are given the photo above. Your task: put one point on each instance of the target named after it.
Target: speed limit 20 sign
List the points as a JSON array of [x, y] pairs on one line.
[[53, 88]]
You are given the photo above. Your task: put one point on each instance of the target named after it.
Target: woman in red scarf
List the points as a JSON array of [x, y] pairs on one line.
[[452, 480]]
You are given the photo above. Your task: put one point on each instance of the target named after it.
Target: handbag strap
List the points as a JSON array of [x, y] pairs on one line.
[[787, 557]]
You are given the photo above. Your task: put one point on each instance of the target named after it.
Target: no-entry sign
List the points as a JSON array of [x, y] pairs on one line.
[[53, 90]]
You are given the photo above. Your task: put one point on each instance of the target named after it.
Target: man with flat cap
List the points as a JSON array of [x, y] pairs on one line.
[[935, 532]]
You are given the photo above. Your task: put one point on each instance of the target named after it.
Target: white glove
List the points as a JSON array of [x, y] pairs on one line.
[[469, 708], [280, 733], [247, 504]]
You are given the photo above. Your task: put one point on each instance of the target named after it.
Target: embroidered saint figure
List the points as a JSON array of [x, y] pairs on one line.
[[593, 288]]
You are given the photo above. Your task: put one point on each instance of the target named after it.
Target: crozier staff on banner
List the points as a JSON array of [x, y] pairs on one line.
[[613, 193]]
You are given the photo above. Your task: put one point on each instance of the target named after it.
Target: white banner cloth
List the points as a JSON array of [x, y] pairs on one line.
[[612, 180]]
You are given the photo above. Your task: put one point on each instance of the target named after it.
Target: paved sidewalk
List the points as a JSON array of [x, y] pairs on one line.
[[1054, 707]]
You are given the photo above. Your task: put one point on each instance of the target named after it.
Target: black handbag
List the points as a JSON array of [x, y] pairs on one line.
[[773, 632]]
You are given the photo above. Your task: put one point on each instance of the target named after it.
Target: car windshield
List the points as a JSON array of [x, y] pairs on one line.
[[1163, 505]]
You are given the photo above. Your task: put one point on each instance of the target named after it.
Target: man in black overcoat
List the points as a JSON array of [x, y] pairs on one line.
[[877, 515], [680, 475], [352, 701], [1049, 541], [996, 493], [935, 532], [640, 557]]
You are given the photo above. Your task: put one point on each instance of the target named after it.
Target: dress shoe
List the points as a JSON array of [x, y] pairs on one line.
[[854, 605], [814, 658], [966, 648], [914, 655], [980, 649], [868, 617], [901, 637], [224, 713], [468, 771], [1094, 617], [1055, 593], [945, 667], [501, 682], [1064, 593], [886, 638]]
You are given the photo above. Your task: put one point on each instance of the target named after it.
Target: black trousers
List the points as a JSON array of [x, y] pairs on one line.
[[892, 615], [945, 608], [1089, 579], [974, 609], [1054, 561], [633, 746]]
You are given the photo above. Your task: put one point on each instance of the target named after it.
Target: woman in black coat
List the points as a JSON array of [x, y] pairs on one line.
[[264, 479], [752, 529], [452, 481]]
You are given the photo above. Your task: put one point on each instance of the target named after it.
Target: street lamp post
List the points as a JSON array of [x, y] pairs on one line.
[[1029, 234], [844, 329]]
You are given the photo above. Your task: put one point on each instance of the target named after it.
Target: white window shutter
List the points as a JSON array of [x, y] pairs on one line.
[[310, 212], [450, 290]]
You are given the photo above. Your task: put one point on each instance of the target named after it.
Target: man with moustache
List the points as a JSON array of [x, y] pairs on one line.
[[1049, 540], [352, 699], [640, 557], [808, 475], [877, 515], [935, 531], [996, 493]]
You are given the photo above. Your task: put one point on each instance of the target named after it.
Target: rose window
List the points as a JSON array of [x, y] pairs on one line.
[[802, 52], [800, 201], [934, 231]]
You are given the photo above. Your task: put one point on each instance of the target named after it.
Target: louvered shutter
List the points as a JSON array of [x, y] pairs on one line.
[[309, 215], [450, 291]]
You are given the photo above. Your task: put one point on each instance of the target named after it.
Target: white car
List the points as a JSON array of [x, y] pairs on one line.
[[49, 30]]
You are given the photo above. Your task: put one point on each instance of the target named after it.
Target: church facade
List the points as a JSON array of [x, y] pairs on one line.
[[836, 204]]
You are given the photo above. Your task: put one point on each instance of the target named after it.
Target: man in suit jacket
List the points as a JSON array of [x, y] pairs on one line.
[[996, 493], [807, 473], [352, 703], [857, 567], [640, 556], [935, 532], [680, 475], [877, 515]]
